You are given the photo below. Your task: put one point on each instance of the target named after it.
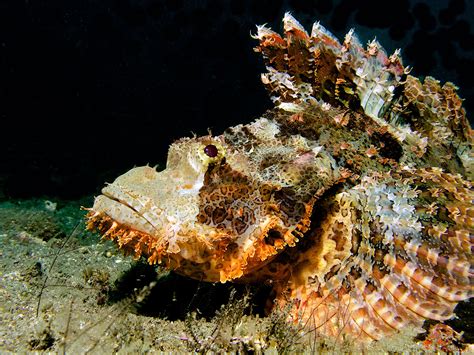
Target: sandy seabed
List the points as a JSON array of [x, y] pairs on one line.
[[64, 290]]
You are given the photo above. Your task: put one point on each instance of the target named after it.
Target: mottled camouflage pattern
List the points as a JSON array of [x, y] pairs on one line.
[[352, 197]]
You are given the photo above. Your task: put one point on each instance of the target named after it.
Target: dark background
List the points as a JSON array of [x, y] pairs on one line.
[[88, 89]]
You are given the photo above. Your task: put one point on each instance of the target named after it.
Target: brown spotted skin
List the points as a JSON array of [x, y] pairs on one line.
[[352, 197]]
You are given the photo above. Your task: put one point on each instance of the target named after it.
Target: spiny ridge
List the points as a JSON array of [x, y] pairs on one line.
[[317, 69], [305, 68]]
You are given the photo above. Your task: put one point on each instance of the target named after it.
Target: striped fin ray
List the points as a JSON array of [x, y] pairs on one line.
[[451, 270], [390, 271], [306, 68], [427, 118], [418, 265]]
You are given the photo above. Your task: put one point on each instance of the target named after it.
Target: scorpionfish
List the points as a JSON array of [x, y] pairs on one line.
[[352, 197]]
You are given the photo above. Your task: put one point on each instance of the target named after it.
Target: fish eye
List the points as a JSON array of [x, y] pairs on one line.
[[211, 150]]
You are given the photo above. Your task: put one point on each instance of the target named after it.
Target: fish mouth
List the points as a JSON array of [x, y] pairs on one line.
[[120, 201], [118, 217], [121, 207], [127, 200], [133, 212]]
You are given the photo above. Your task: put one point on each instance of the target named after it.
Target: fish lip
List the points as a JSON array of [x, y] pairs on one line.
[[121, 201], [152, 230]]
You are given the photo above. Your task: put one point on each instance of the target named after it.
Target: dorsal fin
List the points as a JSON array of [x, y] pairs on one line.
[[313, 69], [305, 68]]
